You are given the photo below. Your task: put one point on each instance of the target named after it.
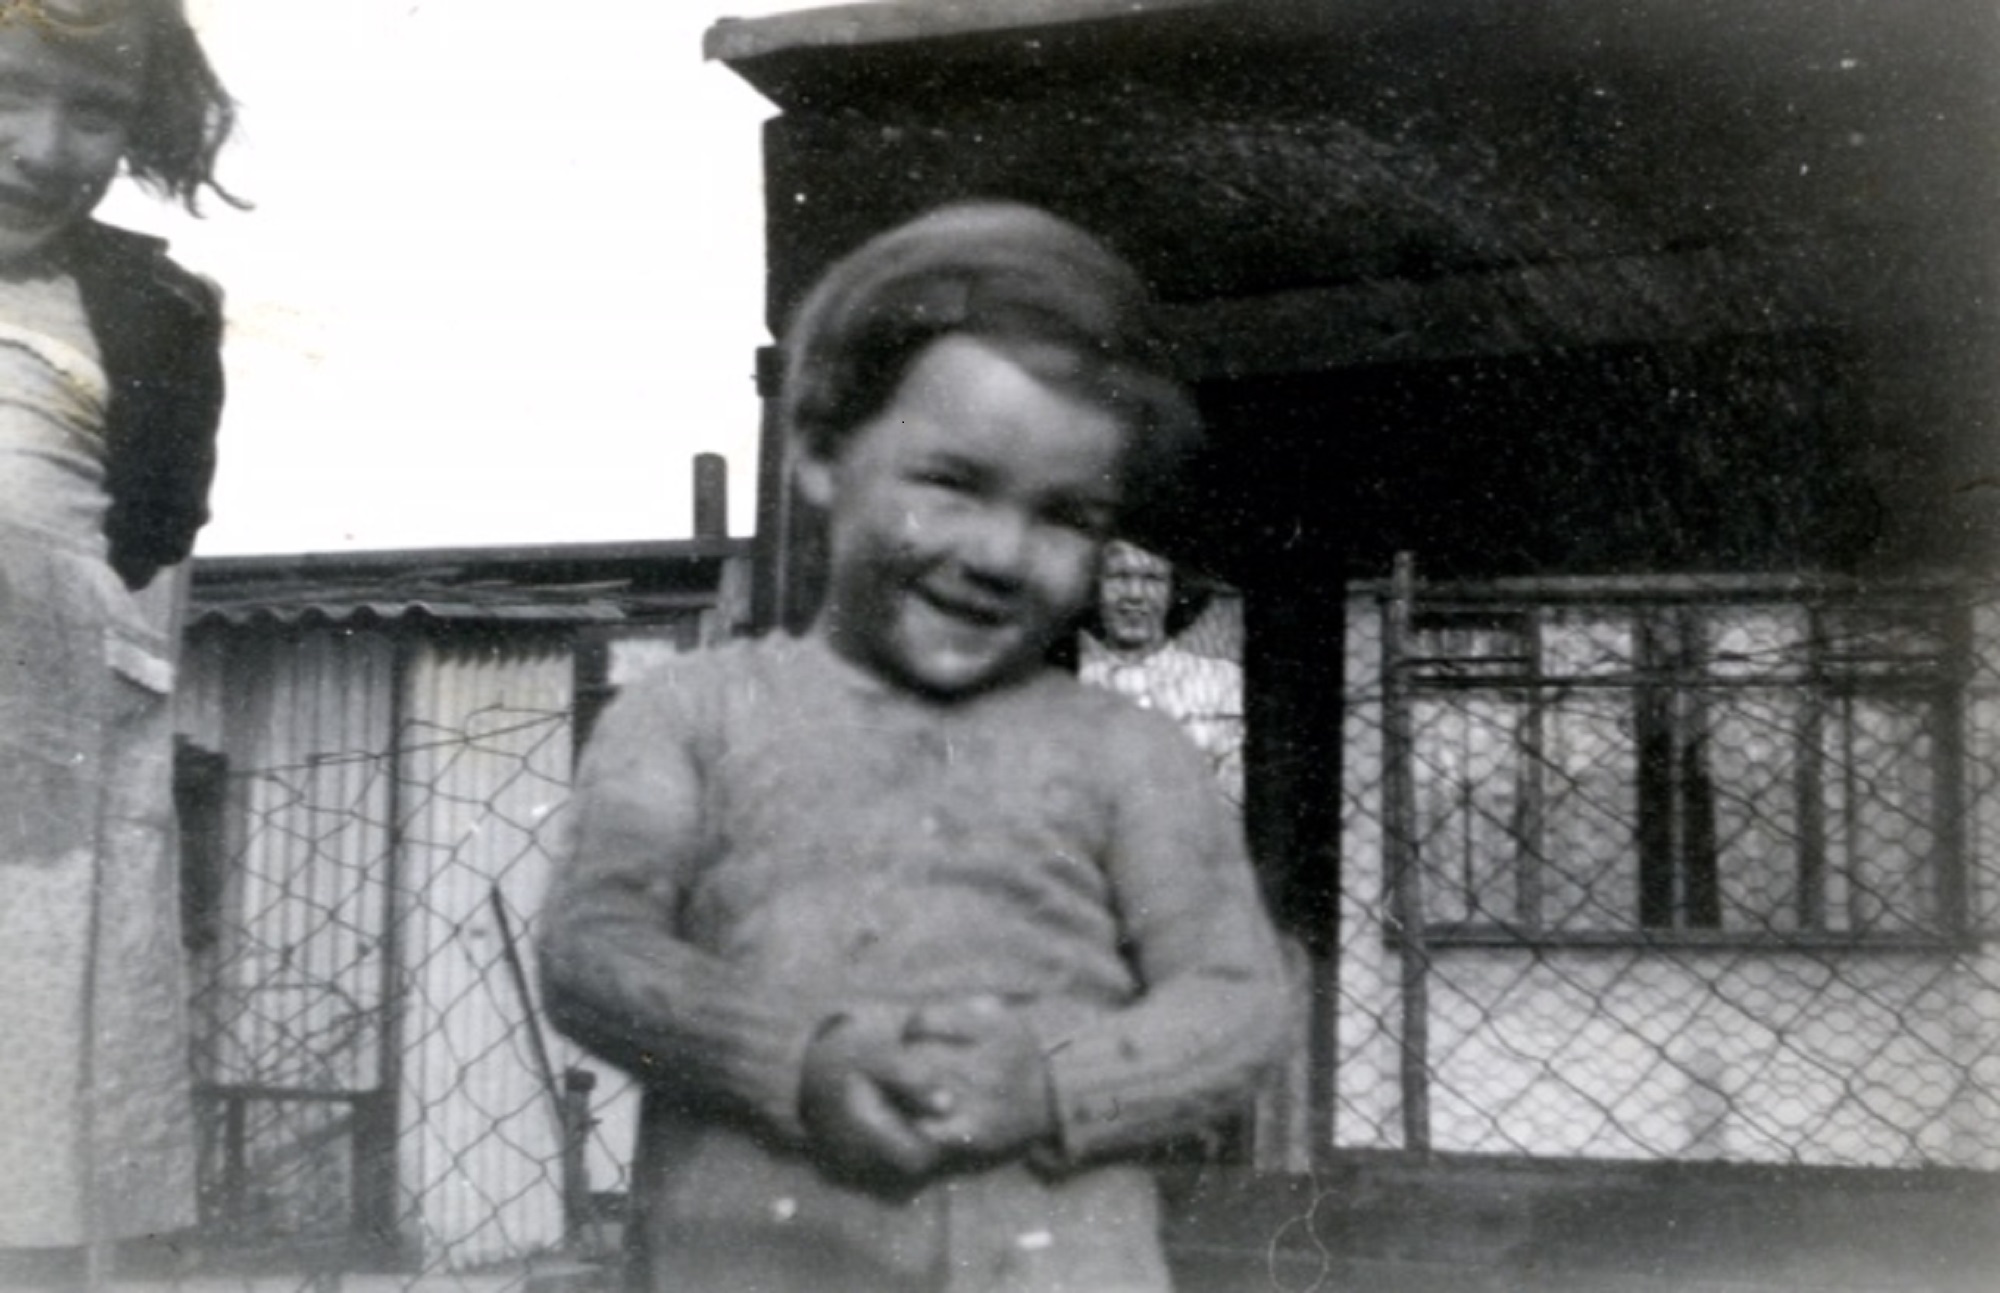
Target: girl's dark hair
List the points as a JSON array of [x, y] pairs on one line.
[[1189, 595], [185, 115], [1048, 295]]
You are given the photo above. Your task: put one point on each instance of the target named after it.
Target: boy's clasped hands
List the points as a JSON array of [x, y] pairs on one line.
[[891, 1095]]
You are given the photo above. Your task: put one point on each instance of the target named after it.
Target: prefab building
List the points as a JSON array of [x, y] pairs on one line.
[[1602, 405]]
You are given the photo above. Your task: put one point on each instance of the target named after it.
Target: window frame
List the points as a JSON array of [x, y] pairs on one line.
[[1670, 690]]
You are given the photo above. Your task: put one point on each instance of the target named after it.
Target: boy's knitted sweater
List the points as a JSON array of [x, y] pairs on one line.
[[763, 835]]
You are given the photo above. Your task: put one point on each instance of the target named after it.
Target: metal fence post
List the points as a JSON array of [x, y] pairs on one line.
[[711, 496], [378, 1224], [579, 1215], [1400, 845]]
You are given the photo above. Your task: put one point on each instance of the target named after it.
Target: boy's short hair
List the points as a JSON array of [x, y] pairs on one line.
[[1048, 295]]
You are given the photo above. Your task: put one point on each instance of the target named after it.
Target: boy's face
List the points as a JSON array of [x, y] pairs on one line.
[[64, 114], [965, 520]]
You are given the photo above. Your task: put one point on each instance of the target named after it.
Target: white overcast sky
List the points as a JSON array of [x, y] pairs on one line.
[[504, 277]]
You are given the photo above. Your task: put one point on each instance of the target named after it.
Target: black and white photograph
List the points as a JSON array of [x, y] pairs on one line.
[[999, 646]]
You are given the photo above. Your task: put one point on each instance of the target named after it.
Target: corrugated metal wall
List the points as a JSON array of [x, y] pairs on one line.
[[370, 1069], [289, 1007], [362, 949], [486, 763]]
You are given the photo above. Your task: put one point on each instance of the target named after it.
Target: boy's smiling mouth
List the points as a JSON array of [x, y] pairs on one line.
[[970, 609]]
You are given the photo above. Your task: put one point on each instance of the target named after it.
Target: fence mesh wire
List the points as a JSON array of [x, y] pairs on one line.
[[1655, 870], [1692, 870], [375, 1089]]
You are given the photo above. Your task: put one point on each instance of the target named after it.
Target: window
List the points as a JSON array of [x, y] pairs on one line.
[[1631, 761]]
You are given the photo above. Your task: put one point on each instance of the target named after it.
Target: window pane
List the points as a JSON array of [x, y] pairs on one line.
[[1879, 804], [1737, 767], [1589, 784], [1586, 643], [1753, 758], [1757, 641], [1880, 640], [1466, 752], [1471, 644]]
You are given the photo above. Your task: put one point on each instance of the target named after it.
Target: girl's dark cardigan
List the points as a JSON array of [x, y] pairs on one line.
[[159, 332]]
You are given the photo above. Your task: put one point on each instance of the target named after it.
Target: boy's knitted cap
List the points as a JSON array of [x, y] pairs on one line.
[[1001, 270]]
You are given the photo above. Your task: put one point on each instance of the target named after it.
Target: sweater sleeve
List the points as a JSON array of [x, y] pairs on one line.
[[617, 975], [1212, 1012]]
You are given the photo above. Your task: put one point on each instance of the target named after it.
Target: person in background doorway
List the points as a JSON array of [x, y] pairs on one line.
[[110, 395], [1140, 609], [919, 945], [1133, 647]]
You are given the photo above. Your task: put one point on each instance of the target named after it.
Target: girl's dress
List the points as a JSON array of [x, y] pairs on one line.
[[96, 1132]]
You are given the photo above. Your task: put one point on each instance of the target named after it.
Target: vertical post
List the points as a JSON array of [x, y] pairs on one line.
[[1655, 709], [776, 509], [379, 1114], [1400, 849], [579, 1221], [1697, 860], [791, 536], [1529, 815], [1294, 694], [235, 1158], [1811, 788], [711, 496], [1954, 901]]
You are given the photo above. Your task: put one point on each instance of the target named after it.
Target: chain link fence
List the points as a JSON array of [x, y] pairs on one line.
[[1671, 869], [1630, 870], [374, 1086], [378, 1099]]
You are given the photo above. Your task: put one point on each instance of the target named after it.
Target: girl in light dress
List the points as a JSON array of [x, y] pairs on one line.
[[110, 394]]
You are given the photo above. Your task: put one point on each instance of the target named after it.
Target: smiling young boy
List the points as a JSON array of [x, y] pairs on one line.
[[916, 943]]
